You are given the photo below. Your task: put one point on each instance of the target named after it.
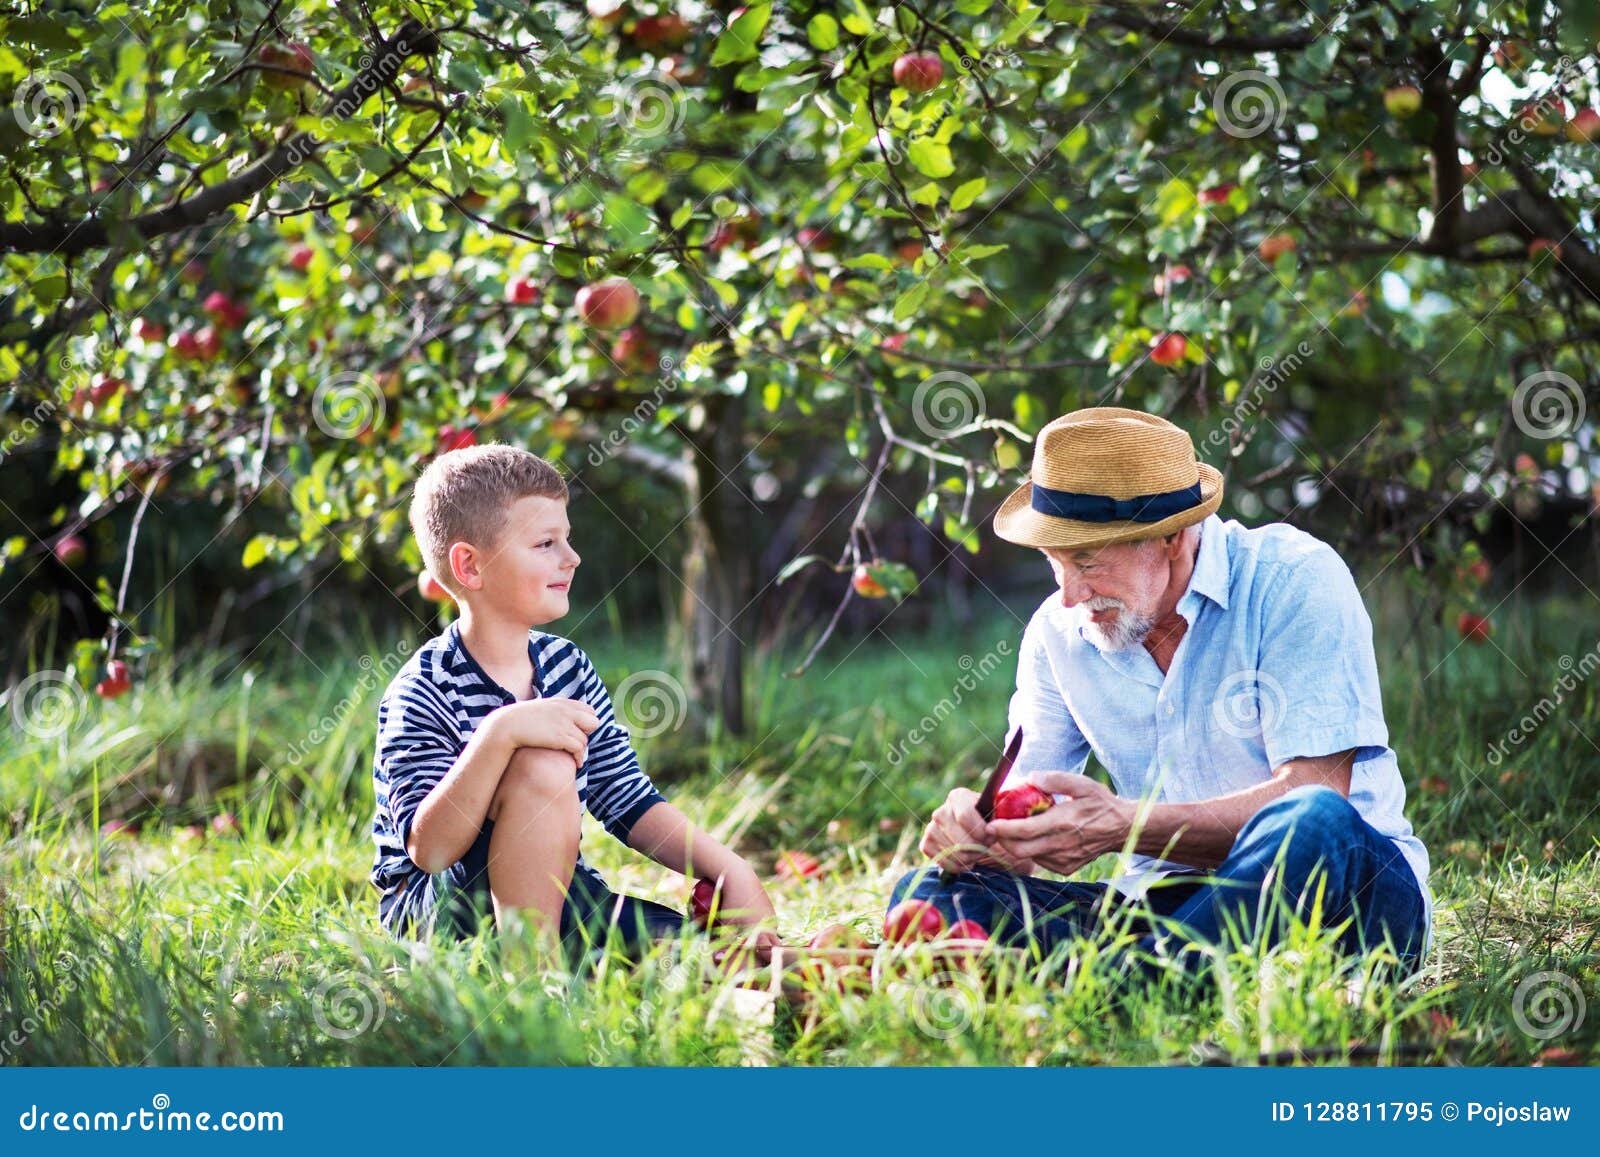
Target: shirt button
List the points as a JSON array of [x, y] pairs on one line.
[[1170, 708]]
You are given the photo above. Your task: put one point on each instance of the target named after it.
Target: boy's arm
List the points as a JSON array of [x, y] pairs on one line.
[[450, 817], [669, 838]]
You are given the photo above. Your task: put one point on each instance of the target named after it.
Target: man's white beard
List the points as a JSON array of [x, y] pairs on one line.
[[1126, 630]]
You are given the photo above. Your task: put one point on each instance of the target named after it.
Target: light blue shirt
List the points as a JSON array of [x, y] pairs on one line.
[[1276, 663]]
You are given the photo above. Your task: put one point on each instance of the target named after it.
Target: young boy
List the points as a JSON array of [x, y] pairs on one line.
[[494, 736]]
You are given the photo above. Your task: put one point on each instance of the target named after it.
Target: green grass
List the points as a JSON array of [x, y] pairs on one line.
[[263, 947]]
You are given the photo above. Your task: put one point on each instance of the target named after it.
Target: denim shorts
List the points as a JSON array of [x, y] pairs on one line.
[[592, 915]]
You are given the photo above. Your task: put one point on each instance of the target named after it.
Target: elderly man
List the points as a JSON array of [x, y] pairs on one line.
[[1225, 678]]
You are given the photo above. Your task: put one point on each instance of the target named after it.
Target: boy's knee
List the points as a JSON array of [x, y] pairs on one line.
[[535, 773]]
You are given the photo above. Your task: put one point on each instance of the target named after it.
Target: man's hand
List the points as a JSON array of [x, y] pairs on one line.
[[957, 839], [1092, 821], [561, 724]]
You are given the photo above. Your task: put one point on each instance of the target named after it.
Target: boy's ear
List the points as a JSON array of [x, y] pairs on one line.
[[463, 558]]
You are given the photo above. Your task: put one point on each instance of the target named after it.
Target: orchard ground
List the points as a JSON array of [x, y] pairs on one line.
[[262, 947]]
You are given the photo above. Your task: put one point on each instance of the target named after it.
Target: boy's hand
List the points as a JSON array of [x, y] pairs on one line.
[[746, 902], [560, 724]]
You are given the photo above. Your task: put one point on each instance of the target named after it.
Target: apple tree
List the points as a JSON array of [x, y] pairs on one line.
[[281, 253]]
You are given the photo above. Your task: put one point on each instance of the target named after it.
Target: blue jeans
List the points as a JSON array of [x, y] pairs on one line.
[[1307, 838]]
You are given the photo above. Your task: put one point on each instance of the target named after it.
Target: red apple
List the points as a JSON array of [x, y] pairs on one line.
[[117, 681], [967, 930], [1584, 125], [895, 342], [521, 291], [1479, 570], [1275, 246], [1168, 349], [633, 351], [814, 239], [223, 311], [913, 920], [1216, 194], [287, 66], [185, 344], [1403, 100], [451, 438], [908, 251], [662, 33], [798, 866], [104, 387], [225, 824], [1540, 244], [71, 551], [1543, 117], [208, 342], [300, 258], [705, 902], [838, 936], [1473, 628], [432, 589], [609, 304], [865, 584], [1018, 803], [919, 71], [149, 331], [1176, 275]]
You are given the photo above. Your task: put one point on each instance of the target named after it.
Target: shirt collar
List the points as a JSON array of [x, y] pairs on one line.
[[1210, 577]]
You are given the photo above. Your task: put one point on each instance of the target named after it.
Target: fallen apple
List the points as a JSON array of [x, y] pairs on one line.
[[912, 920], [704, 903], [1018, 803], [967, 930], [797, 866], [838, 936]]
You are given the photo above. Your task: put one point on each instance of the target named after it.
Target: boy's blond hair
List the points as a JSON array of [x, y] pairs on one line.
[[466, 496]]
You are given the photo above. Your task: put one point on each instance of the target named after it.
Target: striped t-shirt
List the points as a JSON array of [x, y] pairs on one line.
[[427, 714]]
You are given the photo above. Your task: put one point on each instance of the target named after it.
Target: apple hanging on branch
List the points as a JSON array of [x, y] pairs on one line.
[[609, 304], [919, 71]]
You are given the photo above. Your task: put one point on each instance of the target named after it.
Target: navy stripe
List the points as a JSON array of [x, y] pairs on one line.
[[1100, 508]]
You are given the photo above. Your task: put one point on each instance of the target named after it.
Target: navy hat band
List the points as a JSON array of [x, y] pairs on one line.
[[1100, 508]]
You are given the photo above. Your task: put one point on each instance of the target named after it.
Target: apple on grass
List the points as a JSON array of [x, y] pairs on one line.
[[1018, 803], [912, 920], [705, 904], [919, 71], [798, 866], [967, 930], [608, 304]]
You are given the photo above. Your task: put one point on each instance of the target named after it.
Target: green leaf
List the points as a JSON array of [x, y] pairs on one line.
[[681, 215], [742, 39], [823, 32], [50, 289], [979, 252], [728, 294], [795, 566], [967, 193], [791, 319], [931, 158], [910, 301], [255, 551], [1072, 145], [1322, 52]]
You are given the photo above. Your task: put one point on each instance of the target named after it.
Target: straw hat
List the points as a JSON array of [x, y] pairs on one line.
[[1105, 475]]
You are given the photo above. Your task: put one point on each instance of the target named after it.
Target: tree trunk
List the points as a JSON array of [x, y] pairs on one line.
[[719, 566]]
